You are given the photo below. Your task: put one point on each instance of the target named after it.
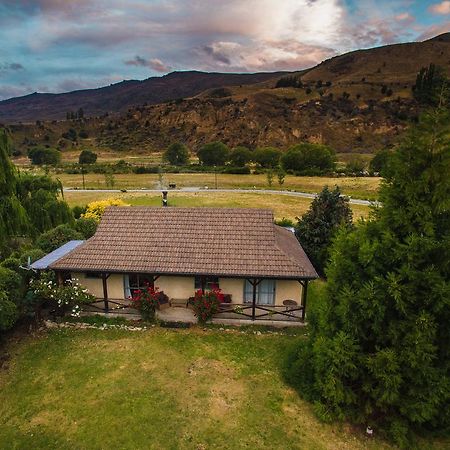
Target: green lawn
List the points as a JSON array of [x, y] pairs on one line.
[[162, 389], [282, 205]]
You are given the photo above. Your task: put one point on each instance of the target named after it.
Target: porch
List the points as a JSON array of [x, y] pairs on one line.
[[228, 314]]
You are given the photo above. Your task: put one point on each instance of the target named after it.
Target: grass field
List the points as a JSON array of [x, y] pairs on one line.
[[282, 205], [158, 389], [363, 187]]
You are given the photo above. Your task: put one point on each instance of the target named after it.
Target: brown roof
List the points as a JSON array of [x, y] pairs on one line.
[[215, 241]]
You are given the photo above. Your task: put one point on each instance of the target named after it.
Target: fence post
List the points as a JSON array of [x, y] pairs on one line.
[[105, 291], [304, 293]]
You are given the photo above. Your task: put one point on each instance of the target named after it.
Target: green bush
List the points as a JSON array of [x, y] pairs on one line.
[[267, 157], [309, 157], [77, 211], [11, 263], [87, 157], [236, 170], [11, 284], [356, 164], [213, 154], [380, 162], [33, 253], [8, 312], [86, 226], [176, 154], [54, 238], [240, 156], [41, 155], [146, 169]]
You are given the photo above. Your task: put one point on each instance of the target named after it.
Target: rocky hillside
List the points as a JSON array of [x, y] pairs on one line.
[[358, 102]]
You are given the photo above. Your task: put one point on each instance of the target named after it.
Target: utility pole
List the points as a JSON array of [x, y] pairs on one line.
[[215, 175], [82, 175]]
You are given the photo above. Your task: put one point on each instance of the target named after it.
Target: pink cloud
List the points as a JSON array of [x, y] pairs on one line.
[[442, 8], [405, 18], [154, 63]]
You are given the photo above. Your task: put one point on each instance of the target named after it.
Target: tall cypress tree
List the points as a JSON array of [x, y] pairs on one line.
[[379, 351]]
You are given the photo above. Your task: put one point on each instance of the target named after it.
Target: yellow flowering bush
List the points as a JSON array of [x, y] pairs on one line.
[[96, 209]]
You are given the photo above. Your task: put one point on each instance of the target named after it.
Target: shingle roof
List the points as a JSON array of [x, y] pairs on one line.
[[215, 241]]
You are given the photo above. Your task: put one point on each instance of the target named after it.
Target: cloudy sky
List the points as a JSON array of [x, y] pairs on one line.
[[63, 45]]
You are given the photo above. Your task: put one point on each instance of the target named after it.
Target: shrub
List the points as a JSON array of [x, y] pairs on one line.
[[70, 295], [146, 301], [70, 135], [95, 210], [87, 226], [267, 157], [77, 211], [289, 81], [10, 284], [87, 157], [380, 161], [284, 222], [40, 155], [176, 154], [11, 263], [306, 156], [356, 164], [146, 169], [8, 312], [240, 156], [213, 154], [54, 238], [236, 170], [206, 304]]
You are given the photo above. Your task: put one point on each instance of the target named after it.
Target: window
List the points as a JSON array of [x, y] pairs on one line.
[[210, 283], [265, 292], [93, 275], [136, 281]]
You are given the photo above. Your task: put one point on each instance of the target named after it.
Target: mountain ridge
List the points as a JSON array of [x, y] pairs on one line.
[[359, 101], [119, 96]]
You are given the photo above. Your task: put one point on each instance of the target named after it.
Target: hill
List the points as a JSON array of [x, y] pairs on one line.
[[120, 96], [357, 102]]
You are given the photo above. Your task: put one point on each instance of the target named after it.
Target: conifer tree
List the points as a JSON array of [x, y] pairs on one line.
[[379, 351], [317, 227]]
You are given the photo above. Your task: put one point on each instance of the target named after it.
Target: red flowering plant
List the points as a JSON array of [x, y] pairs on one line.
[[207, 303], [146, 301]]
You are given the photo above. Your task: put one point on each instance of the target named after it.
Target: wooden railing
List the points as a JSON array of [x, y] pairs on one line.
[[116, 306], [262, 312]]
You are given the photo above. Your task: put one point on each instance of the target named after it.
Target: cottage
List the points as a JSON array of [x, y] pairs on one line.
[[261, 266]]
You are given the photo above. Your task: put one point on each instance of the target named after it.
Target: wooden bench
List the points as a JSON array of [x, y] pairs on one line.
[[179, 302]]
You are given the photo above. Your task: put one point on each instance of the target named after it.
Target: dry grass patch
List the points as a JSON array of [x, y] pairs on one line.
[[358, 187], [282, 205]]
